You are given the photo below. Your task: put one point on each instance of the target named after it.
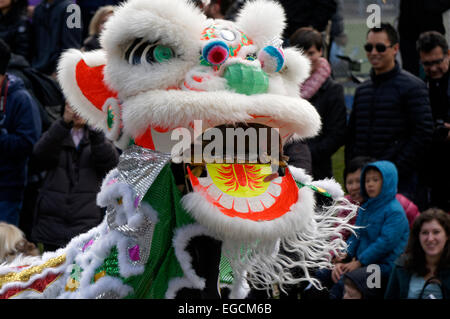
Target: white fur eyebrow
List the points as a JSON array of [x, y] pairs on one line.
[[136, 46]]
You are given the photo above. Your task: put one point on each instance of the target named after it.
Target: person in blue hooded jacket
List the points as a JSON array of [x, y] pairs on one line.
[[384, 228]]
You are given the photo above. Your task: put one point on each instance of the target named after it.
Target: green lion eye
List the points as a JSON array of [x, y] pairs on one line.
[[162, 53], [141, 51]]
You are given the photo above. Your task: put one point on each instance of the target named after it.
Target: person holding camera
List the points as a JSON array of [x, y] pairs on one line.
[[76, 158], [435, 58]]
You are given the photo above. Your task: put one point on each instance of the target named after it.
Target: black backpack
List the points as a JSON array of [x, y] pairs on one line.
[[43, 88]]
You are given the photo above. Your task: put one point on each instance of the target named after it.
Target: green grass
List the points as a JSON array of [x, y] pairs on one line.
[[338, 166], [356, 30]]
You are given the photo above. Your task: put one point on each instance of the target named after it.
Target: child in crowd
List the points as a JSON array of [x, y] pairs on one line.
[[382, 234], [355, 285], [352, 176]]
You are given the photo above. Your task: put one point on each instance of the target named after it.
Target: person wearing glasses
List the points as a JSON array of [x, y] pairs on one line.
[[391, 115], [435, 58]]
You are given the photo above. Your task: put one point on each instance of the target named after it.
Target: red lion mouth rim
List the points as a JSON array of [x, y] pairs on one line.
[[288, 196]]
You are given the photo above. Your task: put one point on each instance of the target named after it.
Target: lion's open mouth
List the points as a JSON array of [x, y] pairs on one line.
[[240, 190], [241, 176]]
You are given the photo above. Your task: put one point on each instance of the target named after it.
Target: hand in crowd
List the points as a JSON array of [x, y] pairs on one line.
[[68, 114], [337, 272], [354, 264], [342, 268], [339, 258]]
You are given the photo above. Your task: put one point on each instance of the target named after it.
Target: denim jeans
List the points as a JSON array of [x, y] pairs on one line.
[[9, 212]]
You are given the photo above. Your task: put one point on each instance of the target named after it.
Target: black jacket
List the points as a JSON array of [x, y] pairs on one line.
[[329, 102], [299, 155], [390, 120], [438, 168], [15, 31], [417, 16], [66, 204], [307, 13], [92, 43], [440, 97], [52, 34]]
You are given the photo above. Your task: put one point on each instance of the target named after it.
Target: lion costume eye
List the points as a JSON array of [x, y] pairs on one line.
[[142, 51]]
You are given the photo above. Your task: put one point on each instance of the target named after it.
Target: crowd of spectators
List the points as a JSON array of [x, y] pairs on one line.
[[397, 139], [52, 163]]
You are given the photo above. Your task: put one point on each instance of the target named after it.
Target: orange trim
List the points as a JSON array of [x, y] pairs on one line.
[[192, 88], [161, 129], [145, 140], [258, 116], [197, 78], [90, 82]]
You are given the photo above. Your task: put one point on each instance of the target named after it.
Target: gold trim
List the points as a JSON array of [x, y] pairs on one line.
[[26, 274], [32, 289]]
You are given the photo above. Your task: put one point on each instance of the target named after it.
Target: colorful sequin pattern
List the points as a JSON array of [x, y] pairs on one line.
[[73, 282], [109, 267], [229, 36]]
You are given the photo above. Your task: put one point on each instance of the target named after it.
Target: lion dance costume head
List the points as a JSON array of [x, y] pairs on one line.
[[175, 224]]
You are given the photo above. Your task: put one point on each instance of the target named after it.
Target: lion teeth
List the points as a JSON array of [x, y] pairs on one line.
[[274, 189], [214, 192], [242, 204]]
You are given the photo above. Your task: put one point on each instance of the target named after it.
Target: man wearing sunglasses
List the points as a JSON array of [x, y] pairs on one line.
[[391, 116], [435, 58]]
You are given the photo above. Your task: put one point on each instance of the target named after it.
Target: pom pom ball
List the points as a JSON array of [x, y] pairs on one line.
[[216, 52], [271, 58]]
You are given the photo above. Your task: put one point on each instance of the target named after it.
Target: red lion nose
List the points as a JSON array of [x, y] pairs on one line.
[[216, 52]]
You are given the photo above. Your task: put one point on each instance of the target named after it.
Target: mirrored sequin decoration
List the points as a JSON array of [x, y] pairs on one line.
[[139, 168], [141, 237]]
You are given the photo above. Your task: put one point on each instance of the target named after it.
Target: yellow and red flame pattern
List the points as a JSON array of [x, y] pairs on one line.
[[247, 181], [240, 180]]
